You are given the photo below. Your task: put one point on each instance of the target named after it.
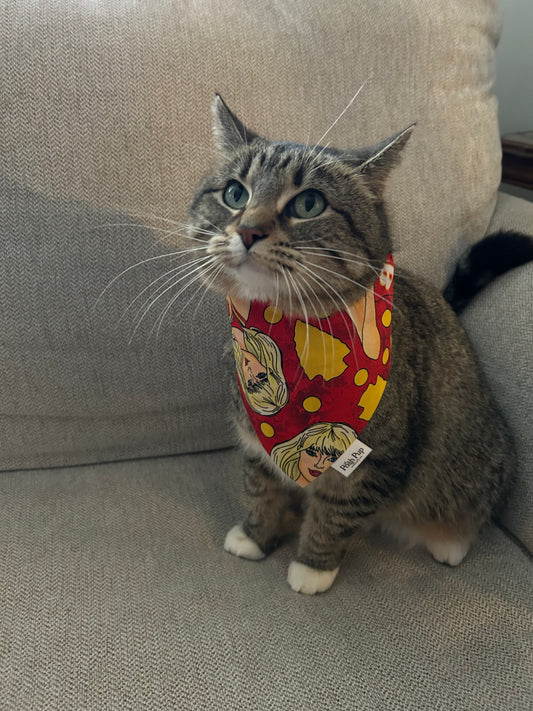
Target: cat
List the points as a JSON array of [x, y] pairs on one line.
[[304, 230]]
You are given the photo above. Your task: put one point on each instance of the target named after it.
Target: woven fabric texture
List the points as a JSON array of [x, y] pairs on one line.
[[105, 129], [500, 325], [116, 594]]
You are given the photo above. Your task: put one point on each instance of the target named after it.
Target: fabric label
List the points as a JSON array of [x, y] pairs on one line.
[[348, 462]]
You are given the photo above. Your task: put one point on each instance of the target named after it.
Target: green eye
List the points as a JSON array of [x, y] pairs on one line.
[[235, 195], [308, 204]]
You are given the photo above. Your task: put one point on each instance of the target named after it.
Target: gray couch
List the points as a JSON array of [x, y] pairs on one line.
[[119, 479]]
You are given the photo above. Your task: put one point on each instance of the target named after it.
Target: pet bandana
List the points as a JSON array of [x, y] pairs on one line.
[[311, 385]]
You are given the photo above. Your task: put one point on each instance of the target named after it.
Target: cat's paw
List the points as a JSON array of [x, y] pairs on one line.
[[238, 543], [449, 552], [309, 581]]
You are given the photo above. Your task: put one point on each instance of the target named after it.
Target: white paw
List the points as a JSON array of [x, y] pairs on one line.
[[238, 543], [450, 552], [308, 580]]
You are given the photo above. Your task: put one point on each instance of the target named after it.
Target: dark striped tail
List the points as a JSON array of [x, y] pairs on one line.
[[493, 256]]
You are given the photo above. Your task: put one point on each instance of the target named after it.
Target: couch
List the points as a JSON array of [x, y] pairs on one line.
[[119, 477]]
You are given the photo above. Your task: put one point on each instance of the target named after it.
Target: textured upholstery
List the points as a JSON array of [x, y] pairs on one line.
[[105, 120], [499, 322], [500, 325], [116, 594]]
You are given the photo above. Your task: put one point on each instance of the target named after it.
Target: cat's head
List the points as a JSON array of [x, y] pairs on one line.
[[293, 224]]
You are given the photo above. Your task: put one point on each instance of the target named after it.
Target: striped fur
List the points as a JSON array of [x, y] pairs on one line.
[[442, 458]]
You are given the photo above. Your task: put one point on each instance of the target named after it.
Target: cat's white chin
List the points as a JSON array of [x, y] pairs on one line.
[[253, 282]]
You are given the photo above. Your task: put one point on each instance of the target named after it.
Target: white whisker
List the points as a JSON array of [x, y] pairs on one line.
[[319, 251], [307, 288], [133, 266], [276, 273], [174, 283], [161, 318], [305, 352], [207, 286], [337, 297], [341, 276], [342, 112], [174, 272]]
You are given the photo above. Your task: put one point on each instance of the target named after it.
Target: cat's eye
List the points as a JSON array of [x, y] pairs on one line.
[[235, 195], [307, 204]]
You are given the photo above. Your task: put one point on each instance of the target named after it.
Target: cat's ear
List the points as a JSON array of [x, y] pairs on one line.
[[230, 133], [377, 161]]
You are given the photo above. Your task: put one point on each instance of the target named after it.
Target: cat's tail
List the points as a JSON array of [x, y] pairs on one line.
[[488, 259]]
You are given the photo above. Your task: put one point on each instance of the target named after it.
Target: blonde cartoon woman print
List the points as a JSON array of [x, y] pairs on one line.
[[259, 368], [307, 455]]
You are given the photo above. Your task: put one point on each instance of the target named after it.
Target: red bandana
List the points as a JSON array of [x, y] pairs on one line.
[[309, 388]]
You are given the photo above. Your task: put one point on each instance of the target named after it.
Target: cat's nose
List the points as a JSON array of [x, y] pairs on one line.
[[250, 235]]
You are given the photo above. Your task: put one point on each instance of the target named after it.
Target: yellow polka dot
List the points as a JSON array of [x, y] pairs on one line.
[[386, 354], [312, 404], [386, 318], [361, 376], [267, 429], [272, 314]]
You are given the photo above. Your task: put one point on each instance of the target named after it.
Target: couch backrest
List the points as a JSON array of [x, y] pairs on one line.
[[105, 120]]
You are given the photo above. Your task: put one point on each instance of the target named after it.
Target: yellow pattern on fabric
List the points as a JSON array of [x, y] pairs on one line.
[[267, 429], [272, 315], [369, 400], [319, 353], [312, 404], [361, 377]]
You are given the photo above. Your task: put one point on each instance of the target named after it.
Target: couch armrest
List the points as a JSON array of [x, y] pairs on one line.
[[512, 213], [500, 324]]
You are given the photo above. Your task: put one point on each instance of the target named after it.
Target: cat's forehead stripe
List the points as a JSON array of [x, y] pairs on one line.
[[297, 178], [245, 168]]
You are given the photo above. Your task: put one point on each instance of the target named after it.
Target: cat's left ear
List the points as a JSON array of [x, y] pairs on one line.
[[377, 161], [230, 133]]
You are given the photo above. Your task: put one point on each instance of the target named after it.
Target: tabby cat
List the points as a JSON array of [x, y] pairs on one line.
[[302, 231]]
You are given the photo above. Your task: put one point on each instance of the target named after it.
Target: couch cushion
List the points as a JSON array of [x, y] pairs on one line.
[[499, 322], [116, 594], [105, 121]]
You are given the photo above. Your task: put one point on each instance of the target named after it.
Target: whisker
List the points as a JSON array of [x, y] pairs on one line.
[[305, 352], [342, 112], [337, 297], [207, 286], [342, 276], [175, 223], [277, 298], [174, 283], [174, 271], [145, 226], [320, 250], [133, 266], [307, 288], [289, 292], [161, 317]]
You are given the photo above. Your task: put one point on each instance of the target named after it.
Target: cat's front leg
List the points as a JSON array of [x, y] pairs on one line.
[[273, 512], [329, 522]]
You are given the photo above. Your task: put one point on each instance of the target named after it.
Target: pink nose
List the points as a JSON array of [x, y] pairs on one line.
[[249, 235]]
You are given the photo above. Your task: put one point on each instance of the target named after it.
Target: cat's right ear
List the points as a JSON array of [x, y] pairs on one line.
[[229, 132]]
